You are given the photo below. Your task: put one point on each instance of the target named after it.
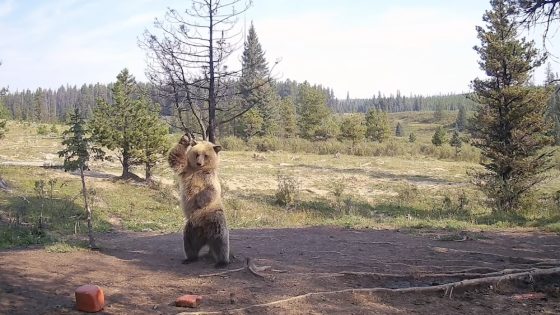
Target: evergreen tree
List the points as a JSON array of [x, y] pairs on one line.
[[440, 136], [377, 125], [256, 91], [456, 142], [553, 102], [353, 127], [4, 115], [399, 130], [119, 126], [412, 137], [153, 143], [3, 128], [461, 121], [438, 114], [509, 126], [78, 150], [251, 124], [288, 118], [329, 128], [313, 110]]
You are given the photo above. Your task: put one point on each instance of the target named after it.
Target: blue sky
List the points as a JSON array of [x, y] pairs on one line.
[[360, 46]]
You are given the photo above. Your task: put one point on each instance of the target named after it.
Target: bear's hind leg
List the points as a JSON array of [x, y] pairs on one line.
[[192, 243], [219, 248]]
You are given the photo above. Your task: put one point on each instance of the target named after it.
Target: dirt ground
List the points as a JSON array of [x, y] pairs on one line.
[[141, 273]]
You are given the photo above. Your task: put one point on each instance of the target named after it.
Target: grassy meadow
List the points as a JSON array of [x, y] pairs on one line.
[[395, 184]]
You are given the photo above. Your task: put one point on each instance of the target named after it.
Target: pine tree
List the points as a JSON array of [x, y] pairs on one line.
[[313, 111], [554, 102], [353, 127], [509, 126], [288, 118], [399, 130], [256, 91], [438, 114], [251, 124], [119, 126], [78, 150], [153, 143], [4, 115], [412, 137], [456, 142], [461, 121], [439, 137], [377, 125]]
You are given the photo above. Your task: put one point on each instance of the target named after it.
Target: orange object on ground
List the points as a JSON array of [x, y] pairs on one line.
[[89, 298], [189, 300]]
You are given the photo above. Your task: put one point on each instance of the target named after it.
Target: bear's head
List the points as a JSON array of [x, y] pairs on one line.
[[203, 155]]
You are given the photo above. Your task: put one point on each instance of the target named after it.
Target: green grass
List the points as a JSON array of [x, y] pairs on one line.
[[62, 247], [405, 187]]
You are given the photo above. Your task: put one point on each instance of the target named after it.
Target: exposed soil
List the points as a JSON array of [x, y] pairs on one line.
[[141, 273]]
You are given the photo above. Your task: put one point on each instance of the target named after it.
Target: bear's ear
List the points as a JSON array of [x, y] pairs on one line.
[[217, 148]]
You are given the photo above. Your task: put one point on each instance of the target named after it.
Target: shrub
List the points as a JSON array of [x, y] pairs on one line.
[[232, 143], [264, 144], [42, 130], [288, 190]]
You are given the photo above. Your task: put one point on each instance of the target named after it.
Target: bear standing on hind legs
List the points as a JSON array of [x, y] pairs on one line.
[[196, 163]]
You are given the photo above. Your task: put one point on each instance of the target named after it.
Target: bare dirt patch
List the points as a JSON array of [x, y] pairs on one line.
[[142, 273]]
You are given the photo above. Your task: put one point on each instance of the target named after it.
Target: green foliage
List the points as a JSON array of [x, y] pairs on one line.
[[440, 136], [456, 142], [461, 120], [438, 113], [353, 127], [54, 129], [78, 145], [509, 125], [265, 144], [288, 190], [42, 130], [153, 142], [251, 124], [399, 130], [256, 91], [232, 143], [130, 126], [3, 128], [328, 129], [377, 125], [4, 111], [288, 118], [412, 137], [553, 111], [313, 112]]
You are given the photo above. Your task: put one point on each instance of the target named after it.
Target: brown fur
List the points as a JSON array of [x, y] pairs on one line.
[[196, 163], [197, 167], [207, 227]]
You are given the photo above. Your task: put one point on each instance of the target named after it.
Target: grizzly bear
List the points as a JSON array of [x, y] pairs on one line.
[[196, 163]]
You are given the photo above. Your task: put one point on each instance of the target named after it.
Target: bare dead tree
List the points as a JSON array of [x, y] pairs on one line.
[[534, 12], [187, 61]]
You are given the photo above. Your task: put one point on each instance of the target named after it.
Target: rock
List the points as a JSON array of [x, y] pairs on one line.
[[89, 298]]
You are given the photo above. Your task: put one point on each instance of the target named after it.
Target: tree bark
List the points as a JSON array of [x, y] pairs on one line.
[[149, 172], [88, 210]]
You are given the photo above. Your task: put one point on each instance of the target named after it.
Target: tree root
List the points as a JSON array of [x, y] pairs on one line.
[[447, 288], [249, 266]]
